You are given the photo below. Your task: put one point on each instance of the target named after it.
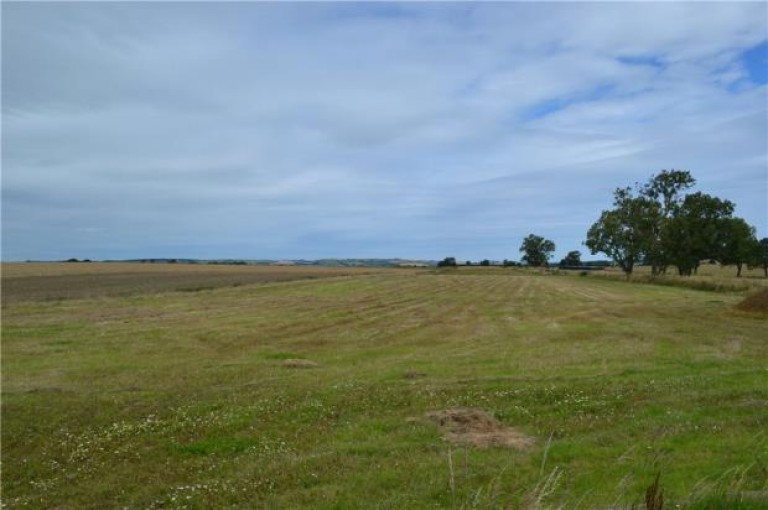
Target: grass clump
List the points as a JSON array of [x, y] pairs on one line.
[[300, 363], [477, 428], [757, 302]]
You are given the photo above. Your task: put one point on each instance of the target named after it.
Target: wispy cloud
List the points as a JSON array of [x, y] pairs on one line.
[[337, 129]]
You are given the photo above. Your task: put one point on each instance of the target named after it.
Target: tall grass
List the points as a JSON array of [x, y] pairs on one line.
[[709, 279]]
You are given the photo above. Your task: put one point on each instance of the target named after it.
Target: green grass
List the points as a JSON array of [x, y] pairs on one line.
[[180, 399]]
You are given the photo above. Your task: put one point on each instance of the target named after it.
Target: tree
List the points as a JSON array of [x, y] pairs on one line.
[[736, 243], [759, 256], [665, 190], [625, 233], [485, 262], [655, 223], [695, 231], [447, 262], [573, 259], [537, 250]]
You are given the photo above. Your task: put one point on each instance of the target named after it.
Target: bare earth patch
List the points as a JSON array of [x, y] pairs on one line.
[[300, 363], [476, 427], [757, 302]]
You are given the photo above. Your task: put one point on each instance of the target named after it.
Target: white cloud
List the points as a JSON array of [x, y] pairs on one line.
[[287, 130]]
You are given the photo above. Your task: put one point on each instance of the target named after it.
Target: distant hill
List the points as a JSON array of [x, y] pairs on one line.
[[396, 262]]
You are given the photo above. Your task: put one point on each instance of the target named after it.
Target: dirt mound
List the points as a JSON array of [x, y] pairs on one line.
[[300, 363], [476, 427], [757, 302]]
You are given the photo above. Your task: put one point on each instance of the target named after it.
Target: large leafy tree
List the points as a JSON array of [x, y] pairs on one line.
[[695, 231], [657, 224], [665, 189], [537, 250], [573, 259], [759, 256], [624, 233], [736, 243]]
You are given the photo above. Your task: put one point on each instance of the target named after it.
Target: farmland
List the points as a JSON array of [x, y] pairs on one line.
[[179, 387], [35, 281]]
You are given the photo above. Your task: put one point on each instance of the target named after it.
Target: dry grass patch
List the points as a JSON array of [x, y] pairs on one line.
[[300, 363], [476, 427], [757, 302]]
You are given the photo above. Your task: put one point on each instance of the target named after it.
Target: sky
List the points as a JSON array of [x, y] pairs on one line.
[[262, 130]]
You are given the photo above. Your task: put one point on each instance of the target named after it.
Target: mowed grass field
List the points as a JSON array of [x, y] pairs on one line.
[[178, 396], [46, 282]]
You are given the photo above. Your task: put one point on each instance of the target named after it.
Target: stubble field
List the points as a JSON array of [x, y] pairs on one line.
[[201, 394]]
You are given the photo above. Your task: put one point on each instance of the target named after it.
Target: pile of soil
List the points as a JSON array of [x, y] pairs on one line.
[[300, 363], [476, 427], [757, 302]]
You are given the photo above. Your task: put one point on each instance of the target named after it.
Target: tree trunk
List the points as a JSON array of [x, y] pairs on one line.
[[738, 272]]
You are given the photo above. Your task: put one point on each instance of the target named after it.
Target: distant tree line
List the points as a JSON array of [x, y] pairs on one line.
[[657, 224], [660, 224], [447, 262], [535, 249]]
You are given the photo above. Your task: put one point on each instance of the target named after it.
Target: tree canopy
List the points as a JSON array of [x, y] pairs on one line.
[[573, 259], [537, 250], [759, 256], [447, 262], [624, 233], [655, 223]]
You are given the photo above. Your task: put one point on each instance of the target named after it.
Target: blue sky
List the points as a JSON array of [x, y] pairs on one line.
[[414, 130]]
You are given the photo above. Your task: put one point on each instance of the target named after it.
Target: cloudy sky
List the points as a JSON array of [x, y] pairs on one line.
[[414, 130]]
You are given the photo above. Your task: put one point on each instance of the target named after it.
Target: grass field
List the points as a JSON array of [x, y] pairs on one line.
[[178, 395], [46, 282]]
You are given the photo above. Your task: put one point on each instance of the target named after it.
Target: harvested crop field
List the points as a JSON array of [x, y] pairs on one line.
[[201, 399], [40, 282]]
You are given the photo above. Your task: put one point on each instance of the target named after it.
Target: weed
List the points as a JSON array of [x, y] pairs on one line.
[[654, 496]]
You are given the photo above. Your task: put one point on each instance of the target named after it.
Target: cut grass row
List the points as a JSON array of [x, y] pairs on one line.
[[56, 281], [181, 399]]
